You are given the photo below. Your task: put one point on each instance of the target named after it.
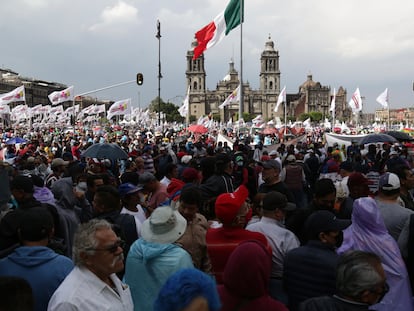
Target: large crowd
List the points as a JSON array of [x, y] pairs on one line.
[[186, 222]]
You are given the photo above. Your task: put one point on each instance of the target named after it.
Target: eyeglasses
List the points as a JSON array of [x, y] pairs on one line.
[[111, 248]]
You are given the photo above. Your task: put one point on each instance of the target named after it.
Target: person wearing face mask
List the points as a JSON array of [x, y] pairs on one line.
[[233, 212], [281, 240], [360, 283], [309, 270]]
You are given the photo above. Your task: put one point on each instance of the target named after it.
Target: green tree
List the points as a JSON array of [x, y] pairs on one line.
[[315, 116], [169, 109], [304, 116]]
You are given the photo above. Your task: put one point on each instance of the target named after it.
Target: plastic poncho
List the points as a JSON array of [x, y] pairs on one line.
[[368, 233]]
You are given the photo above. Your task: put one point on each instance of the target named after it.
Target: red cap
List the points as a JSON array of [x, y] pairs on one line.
[[228, 204]]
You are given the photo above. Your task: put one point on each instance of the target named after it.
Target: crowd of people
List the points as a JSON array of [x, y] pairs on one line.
[[194, 224]]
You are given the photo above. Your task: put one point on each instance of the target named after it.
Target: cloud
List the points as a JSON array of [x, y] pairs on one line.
[[116, 19]]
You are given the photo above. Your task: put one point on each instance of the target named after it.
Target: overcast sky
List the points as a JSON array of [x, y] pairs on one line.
[[96, 43]]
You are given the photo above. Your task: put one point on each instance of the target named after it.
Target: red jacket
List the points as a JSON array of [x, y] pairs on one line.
[[222, 241]]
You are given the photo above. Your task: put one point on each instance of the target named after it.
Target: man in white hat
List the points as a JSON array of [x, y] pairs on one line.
[[155, 257]]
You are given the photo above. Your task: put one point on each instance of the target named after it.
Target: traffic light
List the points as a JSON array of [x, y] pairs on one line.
[[140, 78]]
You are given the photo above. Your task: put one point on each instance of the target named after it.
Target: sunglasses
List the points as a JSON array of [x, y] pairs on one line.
[[111, 248]]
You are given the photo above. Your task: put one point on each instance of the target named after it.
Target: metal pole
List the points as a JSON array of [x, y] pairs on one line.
[[158, 36], [241, 103]]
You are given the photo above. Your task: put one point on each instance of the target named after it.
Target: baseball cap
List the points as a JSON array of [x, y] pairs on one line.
[[290, 158], [128, 188], [273, 153], [275, 200], [58, 162], [228, 204], [389, 181], [271, 164], [325, 221]]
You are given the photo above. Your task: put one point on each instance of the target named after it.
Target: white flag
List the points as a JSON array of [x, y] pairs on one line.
[[4, 109], [356, 102], [183, 110], [58, 97], [234, 97], [333, 102], [382, 99], [17, 95], [280, 99], [120, 107]]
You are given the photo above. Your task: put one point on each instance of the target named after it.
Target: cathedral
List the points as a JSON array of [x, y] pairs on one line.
[[311, 96]]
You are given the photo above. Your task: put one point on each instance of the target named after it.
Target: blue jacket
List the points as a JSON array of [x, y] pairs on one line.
[[41, 267], [148, 266]]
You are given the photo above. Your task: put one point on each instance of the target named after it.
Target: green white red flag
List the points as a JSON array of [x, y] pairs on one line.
[[215, 31]]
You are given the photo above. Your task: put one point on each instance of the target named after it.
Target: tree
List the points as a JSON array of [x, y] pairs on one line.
[[169, 109], [315, 116]]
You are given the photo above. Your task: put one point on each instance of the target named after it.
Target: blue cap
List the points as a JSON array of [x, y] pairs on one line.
[[128, 188]]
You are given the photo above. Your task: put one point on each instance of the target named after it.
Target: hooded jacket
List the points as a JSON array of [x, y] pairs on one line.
[[148, 266], [369, 233], [246, 280], [41, 267]]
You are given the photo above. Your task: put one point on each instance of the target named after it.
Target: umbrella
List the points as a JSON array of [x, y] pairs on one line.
[[377, 138], [197, 128], [15, 140], [400, 136], [105, 151]]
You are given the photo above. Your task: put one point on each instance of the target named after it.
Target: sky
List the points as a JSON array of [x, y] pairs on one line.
[[92, 44]]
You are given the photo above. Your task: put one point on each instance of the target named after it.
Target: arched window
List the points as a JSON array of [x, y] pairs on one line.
[[271, 85], [195, 86]]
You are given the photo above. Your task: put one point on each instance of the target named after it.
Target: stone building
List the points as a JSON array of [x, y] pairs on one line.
[[36, 90], [262, 101], [311, 96]]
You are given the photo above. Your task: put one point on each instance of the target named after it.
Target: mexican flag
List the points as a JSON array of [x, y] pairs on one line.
[[214, 32]]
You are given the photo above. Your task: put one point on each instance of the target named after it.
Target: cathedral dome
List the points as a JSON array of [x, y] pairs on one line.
[[308, 83]]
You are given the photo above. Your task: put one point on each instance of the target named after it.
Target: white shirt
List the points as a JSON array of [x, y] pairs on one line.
[[280, 240], [138, 215], [83, 290], [165, 181]]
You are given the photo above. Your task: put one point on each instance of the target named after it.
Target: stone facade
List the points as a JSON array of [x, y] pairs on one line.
[[311, 96], [203, 101]]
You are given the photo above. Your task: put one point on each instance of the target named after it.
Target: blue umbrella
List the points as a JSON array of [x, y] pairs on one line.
[[15, 140]]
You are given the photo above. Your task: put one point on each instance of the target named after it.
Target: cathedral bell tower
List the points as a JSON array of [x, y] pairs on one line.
[[269, 71], [195, 73]]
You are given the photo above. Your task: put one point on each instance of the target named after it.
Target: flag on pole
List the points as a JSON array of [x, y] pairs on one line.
[[234, 97], [215, 31], [332, 109], [4, 109], [17, 95], [382, 99], [280, 99], [58, 97], [183, 110], [356, 102], [120, 107]]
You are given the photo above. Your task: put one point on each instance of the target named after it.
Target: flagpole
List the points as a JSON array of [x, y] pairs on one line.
[[241, 103], [158, 36]]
